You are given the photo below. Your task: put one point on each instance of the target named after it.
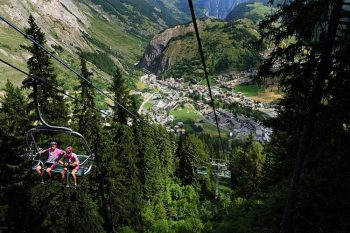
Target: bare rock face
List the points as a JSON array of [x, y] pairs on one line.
[[217, 8], [57, 18], [153, 58]]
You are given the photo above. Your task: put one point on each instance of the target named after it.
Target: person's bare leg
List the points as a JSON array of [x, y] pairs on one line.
[[38, 170], [48, 170], [74, 177], [63, 172]]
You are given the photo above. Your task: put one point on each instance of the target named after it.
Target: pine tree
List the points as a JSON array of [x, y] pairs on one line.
[[88, 119], [54, 209], [151, 170], [90, 126], [103, 174], [191, 153], [120, 91], [166, 148], [309, 72], [14, 123], [246, 167], [39, 64], [125, 187]]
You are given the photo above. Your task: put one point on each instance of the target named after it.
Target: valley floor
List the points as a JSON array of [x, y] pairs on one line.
[[185, 107]]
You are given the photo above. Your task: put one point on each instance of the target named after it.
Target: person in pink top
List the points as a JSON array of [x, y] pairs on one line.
[[72, 161], [51, 162]]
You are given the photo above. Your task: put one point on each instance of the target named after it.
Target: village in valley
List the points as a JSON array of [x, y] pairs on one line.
[[172, 102]]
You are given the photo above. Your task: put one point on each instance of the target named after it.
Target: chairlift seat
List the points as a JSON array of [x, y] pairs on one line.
[[83, 170]]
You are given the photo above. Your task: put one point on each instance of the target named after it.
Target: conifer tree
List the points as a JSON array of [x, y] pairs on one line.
[[152, 165], [14, 123], [246, 167], [191, 154], [88, 119], [119, 183], [52, 104], [165, 146], [120, 92], [125, 187], [303, 139], [54, 209], [90, 126]]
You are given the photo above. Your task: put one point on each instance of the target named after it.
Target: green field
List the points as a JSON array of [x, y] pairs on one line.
[[191, 118], [212, 81], [140, 85], [212, 130], [185, 114], [248, 89], [148, 106]]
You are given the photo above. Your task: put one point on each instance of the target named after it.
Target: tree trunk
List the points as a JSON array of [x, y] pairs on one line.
[[324, 69]]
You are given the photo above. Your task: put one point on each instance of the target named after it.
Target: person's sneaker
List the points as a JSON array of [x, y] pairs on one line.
[[75, 187]]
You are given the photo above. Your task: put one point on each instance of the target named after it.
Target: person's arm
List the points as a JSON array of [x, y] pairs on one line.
[[76, 162], [43, 151], [60, 161]]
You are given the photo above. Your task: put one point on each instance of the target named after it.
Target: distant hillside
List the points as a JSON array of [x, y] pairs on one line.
[[136, 13], [204, 8], [113, 32], [227, 46], [253, 10]]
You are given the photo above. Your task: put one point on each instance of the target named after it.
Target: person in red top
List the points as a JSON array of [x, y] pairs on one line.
[[72, 161]]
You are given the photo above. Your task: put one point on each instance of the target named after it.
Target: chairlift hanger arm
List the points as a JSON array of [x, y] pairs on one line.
[[34, 81]]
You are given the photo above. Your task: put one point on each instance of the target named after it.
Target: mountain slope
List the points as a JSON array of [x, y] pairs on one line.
[[113, 35], [204, 8], [254, 10], [227, 46]]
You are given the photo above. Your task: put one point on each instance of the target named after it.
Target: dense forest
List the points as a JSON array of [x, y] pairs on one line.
[[145, 179]]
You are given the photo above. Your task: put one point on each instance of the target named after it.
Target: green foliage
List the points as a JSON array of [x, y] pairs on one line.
[[256, 215], [248, 89], [13, 125], [57, 210], [139, 11], [120, 90], [102, 61], [191, 153], [253, 10], [125, 186], [86, 117], [227, 46], [246, 167], [311, 72], [52, 105]]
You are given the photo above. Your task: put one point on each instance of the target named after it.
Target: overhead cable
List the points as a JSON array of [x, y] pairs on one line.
[[205, 69], [92, 107], [82, 78], [50, 86], [69, 68]]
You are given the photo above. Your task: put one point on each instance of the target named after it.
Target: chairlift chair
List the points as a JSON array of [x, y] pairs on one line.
[[33, 148]]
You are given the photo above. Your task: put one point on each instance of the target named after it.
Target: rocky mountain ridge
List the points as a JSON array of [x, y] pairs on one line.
[[227, 46], [153, 58], [218, 9]]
